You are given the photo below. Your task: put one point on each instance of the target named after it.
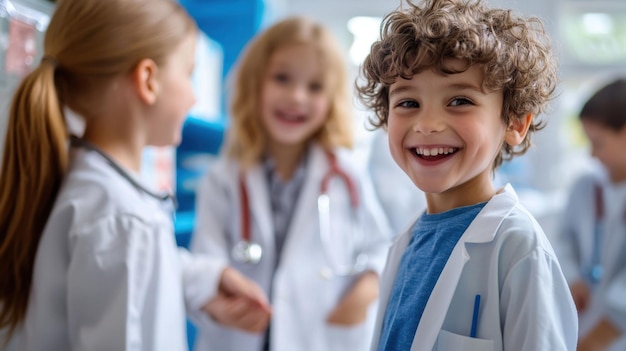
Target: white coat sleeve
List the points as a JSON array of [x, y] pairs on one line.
[[615, 301], [201, 277], [536, 306], [209, 236], [109, 273], [573, 228], [212, 218]]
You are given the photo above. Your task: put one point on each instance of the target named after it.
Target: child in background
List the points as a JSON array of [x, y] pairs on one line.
[[459, 85], [592, 243], [258, 205], [88, 252]]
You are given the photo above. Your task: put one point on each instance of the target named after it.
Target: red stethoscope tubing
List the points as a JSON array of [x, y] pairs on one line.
[[599, 208], [599, 213], [599, 203], [245, 211], [333, 171]]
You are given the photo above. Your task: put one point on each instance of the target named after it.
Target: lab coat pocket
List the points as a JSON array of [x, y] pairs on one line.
[[353, 337], [447, 341]]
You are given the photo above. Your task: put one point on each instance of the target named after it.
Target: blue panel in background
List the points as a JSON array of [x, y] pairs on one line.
[[232, 23], [201, 142]]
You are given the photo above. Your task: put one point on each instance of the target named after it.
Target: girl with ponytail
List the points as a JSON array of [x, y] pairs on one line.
[[88, 256]]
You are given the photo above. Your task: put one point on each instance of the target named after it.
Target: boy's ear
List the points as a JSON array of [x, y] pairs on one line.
[[517, 129], [144, 78]]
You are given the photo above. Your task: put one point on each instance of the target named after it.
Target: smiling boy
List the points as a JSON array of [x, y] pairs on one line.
[[459, 86]]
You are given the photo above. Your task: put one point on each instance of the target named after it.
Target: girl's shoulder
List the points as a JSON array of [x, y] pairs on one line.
[[94, 189]]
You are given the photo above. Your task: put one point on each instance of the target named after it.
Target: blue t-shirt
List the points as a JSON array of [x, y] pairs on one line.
[[433, 239]]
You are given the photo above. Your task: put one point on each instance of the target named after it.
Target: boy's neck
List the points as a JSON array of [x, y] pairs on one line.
[[472, 192]]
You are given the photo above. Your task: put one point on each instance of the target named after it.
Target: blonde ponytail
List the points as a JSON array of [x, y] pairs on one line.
[[34, 163], [86, 43]]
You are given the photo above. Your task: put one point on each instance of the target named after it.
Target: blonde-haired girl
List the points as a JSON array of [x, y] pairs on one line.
[[258, 206], [88, 253]]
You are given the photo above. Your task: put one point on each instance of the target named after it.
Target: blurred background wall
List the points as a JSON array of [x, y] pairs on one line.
[[589, 36]]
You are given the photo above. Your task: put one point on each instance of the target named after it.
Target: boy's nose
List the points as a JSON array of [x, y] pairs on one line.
[[427, 123]]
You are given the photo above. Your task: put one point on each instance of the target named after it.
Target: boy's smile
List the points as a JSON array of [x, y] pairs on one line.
[[445, 132]]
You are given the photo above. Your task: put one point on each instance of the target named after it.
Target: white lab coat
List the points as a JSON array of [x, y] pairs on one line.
[[108, 274], [506, 258], [301, 298], [575, 247]]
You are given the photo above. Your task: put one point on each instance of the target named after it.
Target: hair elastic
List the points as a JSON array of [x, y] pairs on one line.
[[50, 60]]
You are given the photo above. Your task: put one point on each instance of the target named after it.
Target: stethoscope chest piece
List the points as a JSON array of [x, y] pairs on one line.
[[247, 252]]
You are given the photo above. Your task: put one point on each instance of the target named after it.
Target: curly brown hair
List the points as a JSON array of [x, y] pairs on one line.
[[513, 51]]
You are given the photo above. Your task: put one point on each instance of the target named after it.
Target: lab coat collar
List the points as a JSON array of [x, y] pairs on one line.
[[305, 213], [260, 206], [483, 229], [127, 175]]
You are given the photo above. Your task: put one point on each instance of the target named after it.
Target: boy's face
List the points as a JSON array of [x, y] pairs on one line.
[[608, 145], [445, 132]]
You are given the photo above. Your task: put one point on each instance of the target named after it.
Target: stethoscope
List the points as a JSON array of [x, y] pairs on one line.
[[164, 198], [596, 270], [247, 251]]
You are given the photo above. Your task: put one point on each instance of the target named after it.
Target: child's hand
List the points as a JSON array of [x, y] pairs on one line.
[[240, 303], [238, 312], [352, 308], [600, 338], [233, 283], [581, 295]]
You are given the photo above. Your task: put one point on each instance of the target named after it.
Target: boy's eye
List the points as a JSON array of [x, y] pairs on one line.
[[409, 104], [460, 101]]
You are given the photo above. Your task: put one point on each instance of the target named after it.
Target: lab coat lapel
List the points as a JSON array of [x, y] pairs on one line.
[[305, 212], [612, 237], [389, 275], [260, 207], [481, 230]]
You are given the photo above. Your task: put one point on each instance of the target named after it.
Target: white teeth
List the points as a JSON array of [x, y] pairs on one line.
[[434, 151]]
